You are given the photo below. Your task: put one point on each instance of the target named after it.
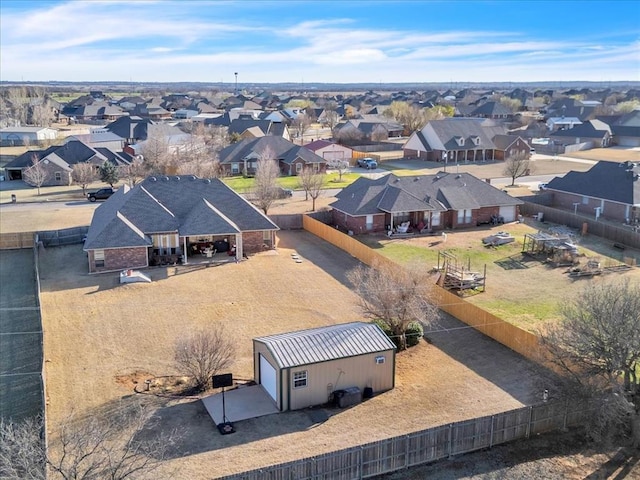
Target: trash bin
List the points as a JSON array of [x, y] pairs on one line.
[[349, 396], [13, 198]]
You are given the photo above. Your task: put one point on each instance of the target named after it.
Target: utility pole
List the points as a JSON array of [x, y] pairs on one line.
[[236, 90]]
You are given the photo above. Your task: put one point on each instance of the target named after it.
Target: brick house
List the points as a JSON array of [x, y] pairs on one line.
[[453, 140], [608, 189], [427, 202], [169, 220], [242, 157]]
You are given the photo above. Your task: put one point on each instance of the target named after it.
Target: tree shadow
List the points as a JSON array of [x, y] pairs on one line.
[[203, 435], [511, 372]]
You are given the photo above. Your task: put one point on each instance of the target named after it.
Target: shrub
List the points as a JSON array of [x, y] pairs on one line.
[[413, 333]]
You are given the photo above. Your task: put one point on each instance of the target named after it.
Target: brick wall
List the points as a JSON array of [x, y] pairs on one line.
[[358, 224], [611, 210], [252, 242], [120, 259]]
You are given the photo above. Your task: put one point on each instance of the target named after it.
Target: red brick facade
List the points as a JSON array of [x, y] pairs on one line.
[[119, 259], [587, 206]]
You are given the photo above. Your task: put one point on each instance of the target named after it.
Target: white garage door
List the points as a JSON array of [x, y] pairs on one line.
[[268, 378], [333, 155], [508, 213]]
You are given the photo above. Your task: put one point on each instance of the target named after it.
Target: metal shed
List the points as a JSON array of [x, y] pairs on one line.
[[304, 368]]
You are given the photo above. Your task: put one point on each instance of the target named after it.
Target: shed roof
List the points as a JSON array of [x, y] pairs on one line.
[[322, 344]]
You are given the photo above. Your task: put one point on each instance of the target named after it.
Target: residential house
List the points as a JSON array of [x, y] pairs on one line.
[[267, 127], [99, 138], [608, 189], [58, 161], [172, 219], [10, 136], [495, 110], [453, 140], [510, 146], [94, 112], [306, 368], [562, 123], [330, 151], [593, 132], [242, 157], [427, 202], [626, 130]]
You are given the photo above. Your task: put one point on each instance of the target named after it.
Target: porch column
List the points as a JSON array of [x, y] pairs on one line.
[[238, 246], [184, 249]]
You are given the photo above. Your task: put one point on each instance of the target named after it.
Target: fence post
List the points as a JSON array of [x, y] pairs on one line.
[[361, 465], [529, 423], [406, 451], [491, 434], [450, 439], [566, 414]]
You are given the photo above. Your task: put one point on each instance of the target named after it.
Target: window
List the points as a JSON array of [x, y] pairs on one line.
[[298, 167], [58, 176], [464, 216], [235, 168], [585, 200], [300, 379], [98, 258], [379, 360]]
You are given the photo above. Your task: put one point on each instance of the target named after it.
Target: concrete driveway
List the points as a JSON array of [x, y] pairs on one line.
[[241, 403]]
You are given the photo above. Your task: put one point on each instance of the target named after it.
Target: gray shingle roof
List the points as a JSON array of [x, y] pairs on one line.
[[278, 147], [326, 343], [444, 191], [618, 182], [187, 205]]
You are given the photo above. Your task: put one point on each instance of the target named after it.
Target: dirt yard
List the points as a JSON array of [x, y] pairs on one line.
[[611, 154], [98, 334]]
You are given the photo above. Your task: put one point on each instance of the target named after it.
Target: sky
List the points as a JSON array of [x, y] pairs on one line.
[[320, 41]]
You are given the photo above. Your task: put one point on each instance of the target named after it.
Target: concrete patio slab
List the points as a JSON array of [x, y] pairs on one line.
[[241, 403]]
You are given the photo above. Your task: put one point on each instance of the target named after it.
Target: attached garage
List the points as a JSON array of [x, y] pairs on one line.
[[302, 369]]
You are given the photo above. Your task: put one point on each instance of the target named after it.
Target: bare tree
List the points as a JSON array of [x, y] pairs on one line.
[[597, 346], [19, 100], [311, 181], [516, 166], [157, 153], [347, 135], [340, 165], [36, 175], [410, 116], [300, 125], [395, 296], [134, 171], [117, 446], [22, 453], [265, 188], [204, 353], [330, 114], [83, 174]]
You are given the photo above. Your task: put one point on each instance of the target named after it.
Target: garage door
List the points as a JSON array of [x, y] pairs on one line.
[[268, 378], [333, 155], [508, 213]]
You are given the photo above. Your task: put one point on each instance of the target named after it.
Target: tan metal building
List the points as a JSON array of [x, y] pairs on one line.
[[304, 368]]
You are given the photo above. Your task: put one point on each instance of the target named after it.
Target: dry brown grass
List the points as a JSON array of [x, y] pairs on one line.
[[612, 154], [97, 331]]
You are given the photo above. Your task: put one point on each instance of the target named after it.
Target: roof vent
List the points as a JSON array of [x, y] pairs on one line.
[[193, 177], [177, 178], [416, 179], [437, 177], [458, 176], [153, 179], [165, 178], [207, 180]]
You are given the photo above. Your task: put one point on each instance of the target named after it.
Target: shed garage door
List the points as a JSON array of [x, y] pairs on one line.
[[268, 378], [508, 213], [333, 155]]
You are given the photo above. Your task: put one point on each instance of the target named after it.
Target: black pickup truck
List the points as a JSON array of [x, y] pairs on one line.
[[101, 194]]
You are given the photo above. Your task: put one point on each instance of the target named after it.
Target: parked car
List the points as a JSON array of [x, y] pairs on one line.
[[101, 194], [284, 192], [368, 163]]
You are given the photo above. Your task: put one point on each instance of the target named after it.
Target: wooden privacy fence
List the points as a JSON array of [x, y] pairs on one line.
[[517, 339], [67, 236], [616, 234], [404, 451], [10, 241]]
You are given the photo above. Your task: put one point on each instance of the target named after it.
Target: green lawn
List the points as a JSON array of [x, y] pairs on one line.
[[242, 184]]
